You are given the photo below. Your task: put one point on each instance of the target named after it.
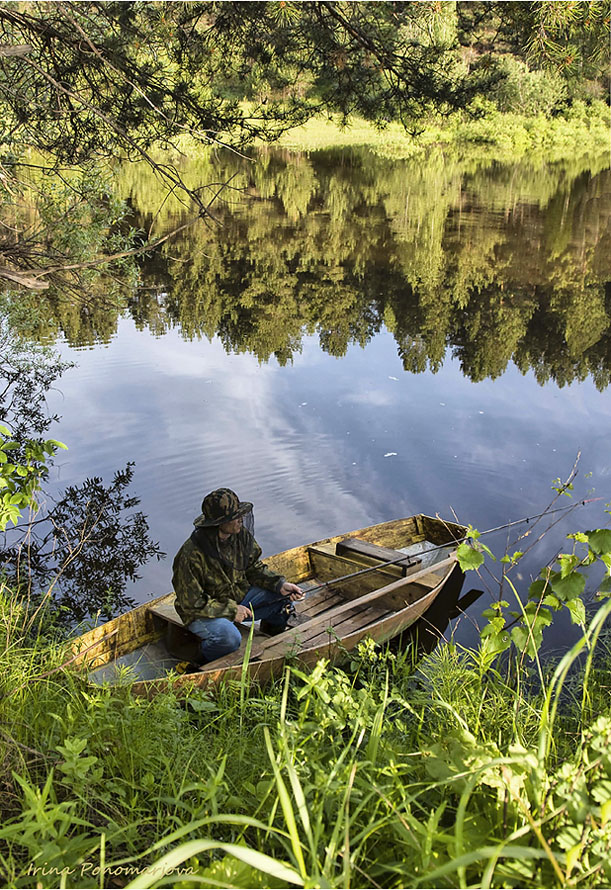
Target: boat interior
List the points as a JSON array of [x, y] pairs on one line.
[[160, 643]]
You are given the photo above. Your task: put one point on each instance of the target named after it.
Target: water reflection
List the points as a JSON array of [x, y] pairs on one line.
[[496, 263]]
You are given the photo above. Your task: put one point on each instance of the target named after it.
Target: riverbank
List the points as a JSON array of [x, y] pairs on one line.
[[578, 130], [454, 774]]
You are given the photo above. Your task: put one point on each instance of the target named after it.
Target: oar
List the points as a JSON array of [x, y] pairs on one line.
[[287, 643]]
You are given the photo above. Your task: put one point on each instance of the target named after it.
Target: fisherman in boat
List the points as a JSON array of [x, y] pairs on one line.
[[219, 579]]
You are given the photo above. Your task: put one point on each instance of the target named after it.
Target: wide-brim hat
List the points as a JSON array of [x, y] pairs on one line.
[[221, 505]]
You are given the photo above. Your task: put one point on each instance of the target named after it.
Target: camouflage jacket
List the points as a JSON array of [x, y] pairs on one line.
[[210, 578]]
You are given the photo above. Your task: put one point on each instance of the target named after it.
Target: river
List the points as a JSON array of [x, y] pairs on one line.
[[356, 339]]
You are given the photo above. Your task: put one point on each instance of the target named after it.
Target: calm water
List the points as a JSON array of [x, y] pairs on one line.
[[358, 340]]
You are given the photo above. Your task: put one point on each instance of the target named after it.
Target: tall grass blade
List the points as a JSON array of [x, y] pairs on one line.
[[287, 809], [158, 873], [511, 852], [554, 689]]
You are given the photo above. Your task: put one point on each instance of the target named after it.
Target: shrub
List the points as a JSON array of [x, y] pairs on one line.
[[526, 91]]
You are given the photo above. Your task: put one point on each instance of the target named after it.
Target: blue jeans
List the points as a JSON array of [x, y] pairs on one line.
[[220, 636]]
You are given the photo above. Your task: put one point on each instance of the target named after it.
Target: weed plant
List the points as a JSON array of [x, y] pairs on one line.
[[456, 772]]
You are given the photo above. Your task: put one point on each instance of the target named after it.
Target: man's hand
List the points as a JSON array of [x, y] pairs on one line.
[[242, 613], [295, 593]]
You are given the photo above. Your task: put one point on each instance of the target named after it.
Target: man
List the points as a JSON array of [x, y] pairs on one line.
[[219, 579]]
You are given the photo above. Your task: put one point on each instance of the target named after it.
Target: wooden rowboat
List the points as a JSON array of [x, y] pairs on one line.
[[377, 600]]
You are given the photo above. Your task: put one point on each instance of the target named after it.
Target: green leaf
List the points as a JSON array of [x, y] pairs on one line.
[[202, 705], [577, 610], [567, 561], [605, 585], [495, 643], [600, 540], [567, 588], [528, 636], [488, 551], [537, 589], [468, 558], [520, 638], [497, 625], [495, 610]]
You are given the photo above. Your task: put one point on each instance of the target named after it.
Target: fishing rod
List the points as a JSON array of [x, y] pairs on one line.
[[403, 559]]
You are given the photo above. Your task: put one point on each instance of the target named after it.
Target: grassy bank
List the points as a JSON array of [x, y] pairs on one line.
[[579, 130], [457, 774]]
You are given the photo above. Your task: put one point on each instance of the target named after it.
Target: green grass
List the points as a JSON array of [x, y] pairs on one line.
[[578, 130], [447, 776]]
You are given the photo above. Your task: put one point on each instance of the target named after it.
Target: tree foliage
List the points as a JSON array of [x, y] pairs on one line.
[[20, 476], [570, 38], [81, 551], [90, 81]]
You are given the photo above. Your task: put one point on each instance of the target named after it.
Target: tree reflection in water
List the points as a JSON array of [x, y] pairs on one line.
[[496, 263], [77, 553]]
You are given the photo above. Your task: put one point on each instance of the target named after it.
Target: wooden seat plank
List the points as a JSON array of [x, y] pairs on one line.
[[167, 612], [374, 551]]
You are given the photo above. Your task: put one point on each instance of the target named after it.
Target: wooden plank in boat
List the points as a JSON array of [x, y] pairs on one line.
[[424, 578], [312, 599], [362, 618], [332, 599], [400, 599], [306, 632], [329, 566], [167, 612], [374, 551]]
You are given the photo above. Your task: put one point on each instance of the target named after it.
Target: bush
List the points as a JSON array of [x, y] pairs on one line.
[[525, 91]]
